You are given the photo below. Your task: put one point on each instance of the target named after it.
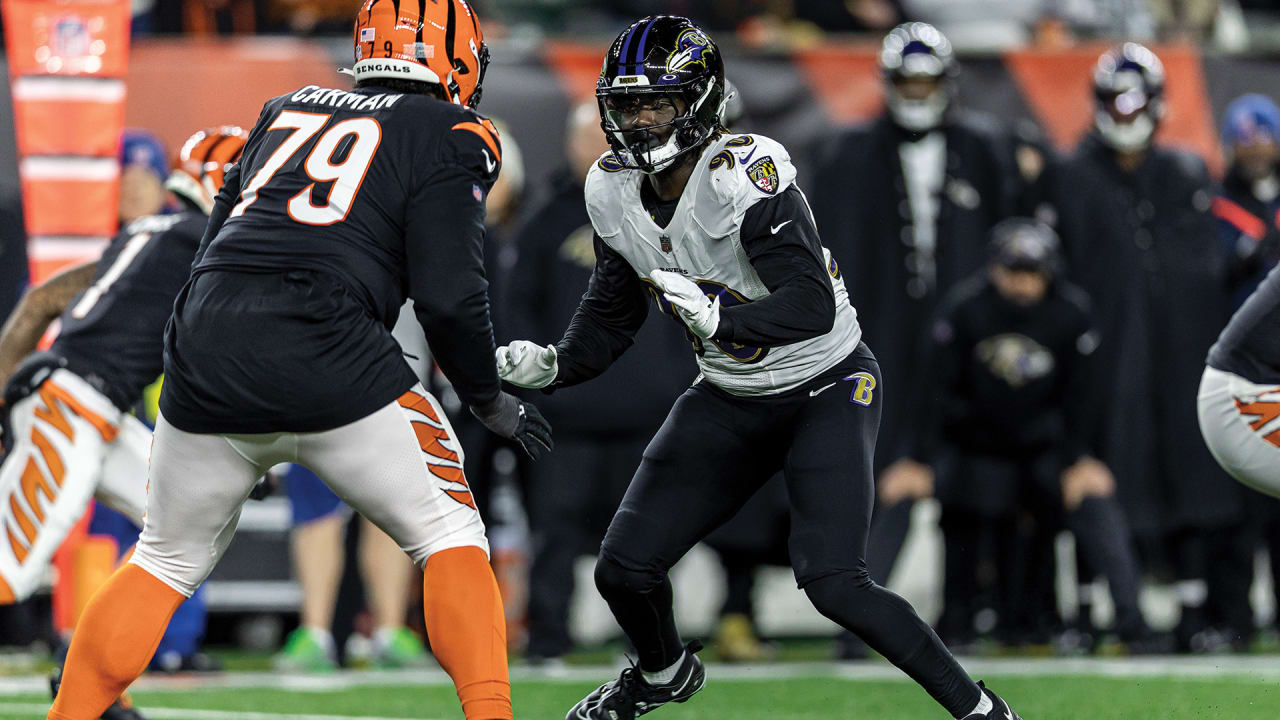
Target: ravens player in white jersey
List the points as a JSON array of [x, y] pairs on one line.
[[713, 228]]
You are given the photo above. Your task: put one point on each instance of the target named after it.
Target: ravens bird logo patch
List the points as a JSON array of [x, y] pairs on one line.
[[764, 175]]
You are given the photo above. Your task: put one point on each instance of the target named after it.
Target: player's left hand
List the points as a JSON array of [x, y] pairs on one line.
[[510, 417], [699, 312]]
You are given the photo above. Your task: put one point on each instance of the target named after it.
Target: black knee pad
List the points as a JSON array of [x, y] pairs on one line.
[[612, 577], [836, 595]]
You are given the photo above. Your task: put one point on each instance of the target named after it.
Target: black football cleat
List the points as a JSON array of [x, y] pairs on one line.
[[1000, 709], [630, 696], [121, 709]]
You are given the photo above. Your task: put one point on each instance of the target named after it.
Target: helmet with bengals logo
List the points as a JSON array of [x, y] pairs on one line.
[[438, 42], [203, 163]]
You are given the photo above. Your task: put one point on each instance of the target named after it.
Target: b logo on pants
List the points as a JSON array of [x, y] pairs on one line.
[[863, 388]]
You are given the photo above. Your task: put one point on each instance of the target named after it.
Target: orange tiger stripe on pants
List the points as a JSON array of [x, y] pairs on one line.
[[443, 462]]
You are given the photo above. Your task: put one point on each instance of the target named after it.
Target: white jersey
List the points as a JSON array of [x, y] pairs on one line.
[[703, 242]]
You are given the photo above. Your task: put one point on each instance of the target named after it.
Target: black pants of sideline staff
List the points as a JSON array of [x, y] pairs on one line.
[[573, 492]]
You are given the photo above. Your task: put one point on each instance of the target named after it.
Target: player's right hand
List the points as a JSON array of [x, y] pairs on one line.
[[527, 365], [510, 417]]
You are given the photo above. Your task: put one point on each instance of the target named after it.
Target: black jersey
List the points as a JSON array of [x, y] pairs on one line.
[[344, 203], [1250, 344], [1004, 379], [112, 332]]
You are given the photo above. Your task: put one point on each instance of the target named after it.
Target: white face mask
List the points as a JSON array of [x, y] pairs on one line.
[[917, 115], [659, 157], [1127, 137]]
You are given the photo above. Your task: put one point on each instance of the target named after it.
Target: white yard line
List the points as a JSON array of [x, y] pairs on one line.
[[164, 713], [1246, 668]]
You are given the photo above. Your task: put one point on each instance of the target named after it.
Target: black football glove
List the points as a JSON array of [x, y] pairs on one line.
[[510, 417]]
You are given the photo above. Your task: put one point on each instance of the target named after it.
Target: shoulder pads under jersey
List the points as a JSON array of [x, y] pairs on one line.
[[741, 171], [603, 192]]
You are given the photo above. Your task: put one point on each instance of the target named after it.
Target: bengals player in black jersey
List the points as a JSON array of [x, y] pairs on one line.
[[74, 438], [345, 202]]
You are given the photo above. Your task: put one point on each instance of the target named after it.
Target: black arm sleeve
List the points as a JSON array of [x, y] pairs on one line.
[[782, 244], [444, 247], [222, 204], [606, 321]]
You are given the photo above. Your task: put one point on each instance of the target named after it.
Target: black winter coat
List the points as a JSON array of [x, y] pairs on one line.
[[859, 200], [1144, 247]]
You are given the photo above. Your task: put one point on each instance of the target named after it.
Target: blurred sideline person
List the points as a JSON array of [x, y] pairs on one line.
[[1248, 201], [1008, 363], [143, 170], [601, 428], [279, 350], [1138, 237], [713, 229], [74, 437], [908, 202]]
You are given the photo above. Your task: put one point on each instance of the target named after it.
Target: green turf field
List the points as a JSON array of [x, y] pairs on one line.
[[806, 695]]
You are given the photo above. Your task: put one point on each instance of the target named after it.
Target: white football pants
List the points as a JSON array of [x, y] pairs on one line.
[[1240, 421], [70, 444], [400, 467]]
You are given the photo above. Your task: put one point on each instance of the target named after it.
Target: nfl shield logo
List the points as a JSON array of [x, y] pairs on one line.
[[665, 242], [764, 175], [70, 37]]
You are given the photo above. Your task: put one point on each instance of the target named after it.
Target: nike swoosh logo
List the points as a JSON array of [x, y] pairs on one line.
[[775, 228], [750, 155], [488, 161], [813, 393]]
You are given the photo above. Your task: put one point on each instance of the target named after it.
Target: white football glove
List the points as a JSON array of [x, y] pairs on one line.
[[699, 312], [527, 365]]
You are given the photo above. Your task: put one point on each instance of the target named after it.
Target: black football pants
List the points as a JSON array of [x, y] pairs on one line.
[[711, 454]]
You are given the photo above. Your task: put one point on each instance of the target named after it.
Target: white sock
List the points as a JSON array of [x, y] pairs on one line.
[[662, 677], [983, 707]]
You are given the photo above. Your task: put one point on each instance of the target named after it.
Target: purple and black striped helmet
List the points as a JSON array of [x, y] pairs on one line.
[[664, 56]]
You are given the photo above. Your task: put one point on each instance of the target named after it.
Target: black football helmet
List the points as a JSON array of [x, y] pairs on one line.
[[1128, 87], [917, 50], [660, 56], [1026, 244]]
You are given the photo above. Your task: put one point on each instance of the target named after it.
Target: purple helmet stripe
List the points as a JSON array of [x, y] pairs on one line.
[[622, 56], [639, 58]]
